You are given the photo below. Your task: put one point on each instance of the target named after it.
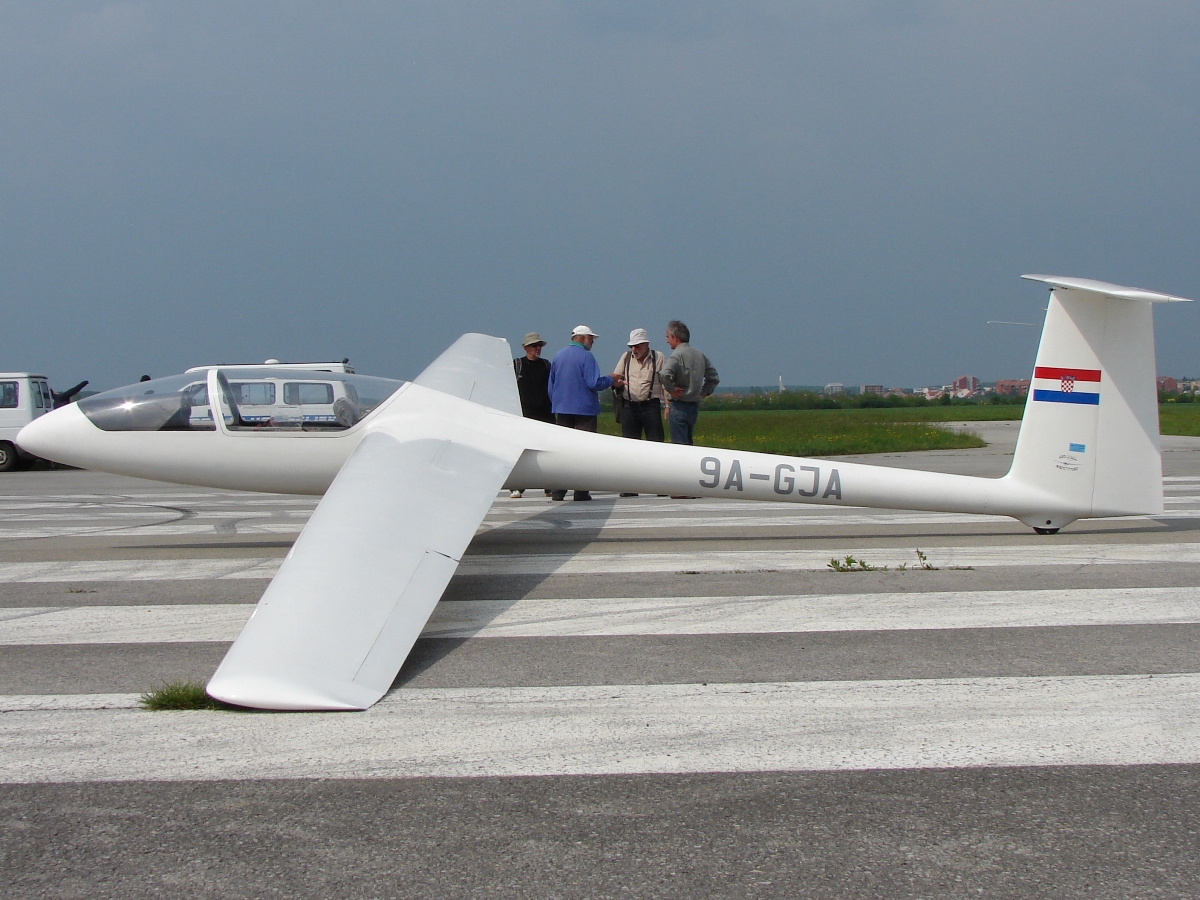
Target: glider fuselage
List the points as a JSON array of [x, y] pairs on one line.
[[550, 457]]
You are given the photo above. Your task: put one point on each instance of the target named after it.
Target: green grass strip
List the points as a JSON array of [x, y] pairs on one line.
[[836, 432], [821, 432], [1179, 418]]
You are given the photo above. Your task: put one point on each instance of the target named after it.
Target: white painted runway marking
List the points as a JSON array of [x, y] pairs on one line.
[[67, 702], [628, 729], [123, 624], [138, 570], [190, 528], [803, 613], [640, 615], [1018, 555]]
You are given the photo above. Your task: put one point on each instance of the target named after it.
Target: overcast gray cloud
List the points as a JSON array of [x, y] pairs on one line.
[[829, 191]]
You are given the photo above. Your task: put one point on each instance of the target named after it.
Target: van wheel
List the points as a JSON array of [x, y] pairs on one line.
[[8, 457]]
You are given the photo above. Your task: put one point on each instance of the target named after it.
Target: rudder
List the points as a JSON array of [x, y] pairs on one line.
[[1089, 438]]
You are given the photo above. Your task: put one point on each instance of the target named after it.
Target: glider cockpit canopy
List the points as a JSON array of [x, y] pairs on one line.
[[249, 399]]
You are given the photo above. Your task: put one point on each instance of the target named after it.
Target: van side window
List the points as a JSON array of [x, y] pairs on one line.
[[9, 394], [301, 393], [197, 394], [255, 393], [37, 394]]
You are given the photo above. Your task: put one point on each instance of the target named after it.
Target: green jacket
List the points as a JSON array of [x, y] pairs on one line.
[[689, 369]]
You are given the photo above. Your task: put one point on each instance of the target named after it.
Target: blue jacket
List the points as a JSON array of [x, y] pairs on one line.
[[576, 382]]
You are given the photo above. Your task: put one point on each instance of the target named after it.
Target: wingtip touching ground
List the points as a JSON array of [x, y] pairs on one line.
[[257, 692]]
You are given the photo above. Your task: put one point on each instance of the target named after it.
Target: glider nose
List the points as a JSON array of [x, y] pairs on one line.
[[60, 435]]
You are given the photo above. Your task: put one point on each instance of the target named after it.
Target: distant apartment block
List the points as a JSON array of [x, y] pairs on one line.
[[834, 388], [871, 389], [963, 386], [1167, 384], [1014, 387]]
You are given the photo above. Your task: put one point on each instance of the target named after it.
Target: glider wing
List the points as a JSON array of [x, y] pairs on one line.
[[476, 367], [338, 621]]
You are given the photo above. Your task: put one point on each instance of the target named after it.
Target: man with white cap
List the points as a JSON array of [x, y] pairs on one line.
[[575, 386]]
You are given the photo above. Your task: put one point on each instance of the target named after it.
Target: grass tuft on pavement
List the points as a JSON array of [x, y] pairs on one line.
[[176, 695]]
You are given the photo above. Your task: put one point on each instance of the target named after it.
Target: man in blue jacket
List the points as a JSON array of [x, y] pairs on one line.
[[575, 386]]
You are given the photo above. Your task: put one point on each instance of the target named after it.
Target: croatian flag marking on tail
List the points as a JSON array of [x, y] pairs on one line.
[[1059, 385]]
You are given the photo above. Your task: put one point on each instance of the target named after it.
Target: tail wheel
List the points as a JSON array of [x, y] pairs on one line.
[[8, 457], [1046, 530]]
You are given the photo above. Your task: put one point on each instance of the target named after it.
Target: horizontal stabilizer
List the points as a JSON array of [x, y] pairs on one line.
[[476, 367], [1105, 289]]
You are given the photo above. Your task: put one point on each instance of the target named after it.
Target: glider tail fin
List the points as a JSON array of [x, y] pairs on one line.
[[1089, 439]]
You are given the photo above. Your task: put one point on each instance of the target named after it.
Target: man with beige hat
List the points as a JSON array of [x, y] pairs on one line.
[[642, 396]]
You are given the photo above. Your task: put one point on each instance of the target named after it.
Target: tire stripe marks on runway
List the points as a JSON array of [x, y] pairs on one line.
[[1015, 555], [645, 616], [911, 724]]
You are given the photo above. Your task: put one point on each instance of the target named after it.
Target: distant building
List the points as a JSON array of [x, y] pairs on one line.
[[1167, 384], [963, 386], [1014, 387], [897, 392], [933, 393], [835, 387], [871, 389]]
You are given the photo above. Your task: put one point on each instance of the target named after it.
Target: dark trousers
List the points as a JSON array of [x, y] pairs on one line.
[[579, 423], [682, 419], [640, 416]]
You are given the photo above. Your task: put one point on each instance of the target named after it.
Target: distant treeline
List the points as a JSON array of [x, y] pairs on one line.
[[813, 400], [767, 400]]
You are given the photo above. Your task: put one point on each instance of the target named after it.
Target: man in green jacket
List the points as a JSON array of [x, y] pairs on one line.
[[687, 376]]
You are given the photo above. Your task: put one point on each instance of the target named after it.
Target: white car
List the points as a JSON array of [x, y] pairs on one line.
[[23, 398]]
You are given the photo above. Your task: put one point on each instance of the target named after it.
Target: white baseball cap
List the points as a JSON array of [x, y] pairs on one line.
[[583, 331], [638, 336]]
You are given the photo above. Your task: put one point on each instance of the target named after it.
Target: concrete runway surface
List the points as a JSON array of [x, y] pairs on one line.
[[633, 697]]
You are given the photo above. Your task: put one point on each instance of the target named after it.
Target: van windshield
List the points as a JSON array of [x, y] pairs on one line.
[[251, 401]]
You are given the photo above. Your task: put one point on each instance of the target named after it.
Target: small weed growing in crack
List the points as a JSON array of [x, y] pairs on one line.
[[80, 591], [174, 695], [850, 564]]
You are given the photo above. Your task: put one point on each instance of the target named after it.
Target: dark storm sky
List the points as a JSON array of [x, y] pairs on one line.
[[834, 191]]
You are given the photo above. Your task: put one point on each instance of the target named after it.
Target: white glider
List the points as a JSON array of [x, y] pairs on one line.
[[408, 471]]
